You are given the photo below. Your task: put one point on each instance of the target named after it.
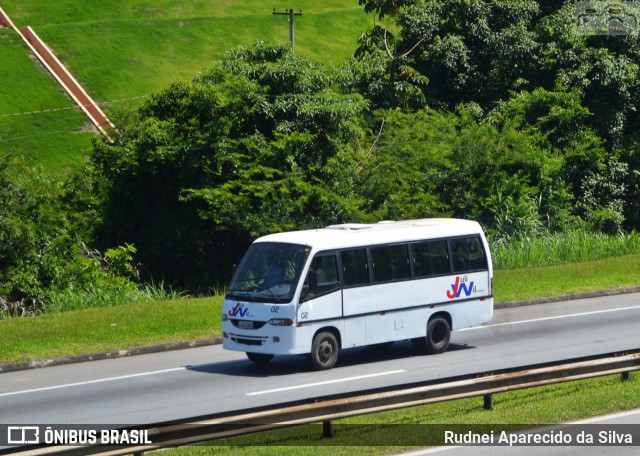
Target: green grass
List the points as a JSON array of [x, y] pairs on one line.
[[394, 431], [133, 325], [122, 51], [108, 328], [38, 122], [568, 278]]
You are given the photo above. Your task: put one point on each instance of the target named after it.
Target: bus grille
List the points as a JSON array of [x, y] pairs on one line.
[[247, 340], [247, 324]]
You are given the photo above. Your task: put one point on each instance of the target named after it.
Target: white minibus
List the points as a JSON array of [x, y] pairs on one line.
[[318, 291]]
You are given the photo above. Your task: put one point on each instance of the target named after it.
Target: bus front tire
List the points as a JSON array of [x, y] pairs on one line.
[[324, 351], [259, 358], [437, 338]]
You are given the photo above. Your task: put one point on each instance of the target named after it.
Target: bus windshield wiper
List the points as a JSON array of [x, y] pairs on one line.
[[247, 292], [269, 290]]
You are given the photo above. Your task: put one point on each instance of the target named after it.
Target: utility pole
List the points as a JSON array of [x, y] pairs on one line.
[[289, 13]]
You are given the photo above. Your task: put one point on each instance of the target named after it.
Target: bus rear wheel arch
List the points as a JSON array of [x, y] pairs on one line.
[[324, 350], [437, 337]]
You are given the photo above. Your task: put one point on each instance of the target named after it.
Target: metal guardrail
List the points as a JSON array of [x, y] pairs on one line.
[[205, 429]]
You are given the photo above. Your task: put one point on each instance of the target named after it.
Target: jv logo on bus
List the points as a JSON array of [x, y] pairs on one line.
[[459, 287], [240, 310]]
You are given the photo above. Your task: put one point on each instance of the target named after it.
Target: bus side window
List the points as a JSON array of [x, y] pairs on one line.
[[468, 254], [460, 255], [421, 259], [477, 258], [354, 266], [322, 277], [440, 257], [381, 262], [401, 268]]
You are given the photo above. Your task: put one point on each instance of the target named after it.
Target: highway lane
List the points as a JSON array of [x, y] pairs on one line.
[[185, 383]]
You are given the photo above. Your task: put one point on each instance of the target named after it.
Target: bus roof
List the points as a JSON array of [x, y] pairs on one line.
[[356, 234]]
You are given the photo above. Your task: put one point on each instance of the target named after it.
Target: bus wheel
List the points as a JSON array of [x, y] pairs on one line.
[[324, 351], [438, 335], [259, 358], [437, 338]]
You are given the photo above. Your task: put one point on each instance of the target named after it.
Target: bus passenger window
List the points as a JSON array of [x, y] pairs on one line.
[[477, 258], [421, 259], [468, 254], [400, 267], [390, 262], [381, 261], [440, 257], [460, 255], [354, 266]]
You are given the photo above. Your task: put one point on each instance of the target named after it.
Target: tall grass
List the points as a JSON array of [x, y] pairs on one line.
[[558, 248], [109, 293]]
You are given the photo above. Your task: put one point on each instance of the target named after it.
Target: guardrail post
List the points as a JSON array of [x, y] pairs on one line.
[[327, 429], [488, 401], [626, 376]]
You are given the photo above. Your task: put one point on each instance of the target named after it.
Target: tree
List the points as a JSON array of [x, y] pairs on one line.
[[398, 171], [480, 51], [385, 7], [471, 51], [380, 70], [45, 219], [239, 152]]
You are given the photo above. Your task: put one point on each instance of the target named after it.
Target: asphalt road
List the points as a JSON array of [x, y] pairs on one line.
[[180, 384]]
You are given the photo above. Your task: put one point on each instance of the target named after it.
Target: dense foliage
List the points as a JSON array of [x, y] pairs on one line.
[[497, 111], [247, 148]]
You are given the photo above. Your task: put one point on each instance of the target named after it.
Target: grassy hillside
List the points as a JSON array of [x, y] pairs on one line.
[[38, 123], [121, 51]]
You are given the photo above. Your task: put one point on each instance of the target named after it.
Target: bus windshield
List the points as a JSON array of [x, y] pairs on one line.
[[269, 272]]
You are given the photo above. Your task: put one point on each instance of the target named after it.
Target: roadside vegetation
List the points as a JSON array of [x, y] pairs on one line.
[[522, 124], [413, 428]]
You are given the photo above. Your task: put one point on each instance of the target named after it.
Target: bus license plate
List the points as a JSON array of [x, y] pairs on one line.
[[245, 324]]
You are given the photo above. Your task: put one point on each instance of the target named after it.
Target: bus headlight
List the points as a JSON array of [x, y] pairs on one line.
[[281, 322]]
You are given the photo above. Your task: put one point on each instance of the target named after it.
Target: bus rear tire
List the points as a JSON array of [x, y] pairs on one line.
[[437, 338], [324, 351], [259, 358]]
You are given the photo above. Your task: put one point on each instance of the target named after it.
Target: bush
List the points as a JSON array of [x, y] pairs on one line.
[[45, 264]]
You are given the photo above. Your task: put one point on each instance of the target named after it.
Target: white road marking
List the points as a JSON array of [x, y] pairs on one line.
[[557, 317], [142, 374], [327, 382], [612, 416], [91, 382]]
